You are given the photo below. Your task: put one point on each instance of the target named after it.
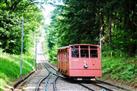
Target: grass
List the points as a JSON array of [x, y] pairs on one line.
[[10, 68], [120, 68]]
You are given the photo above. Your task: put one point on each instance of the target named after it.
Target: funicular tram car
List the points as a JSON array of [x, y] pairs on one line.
[[80, 61]]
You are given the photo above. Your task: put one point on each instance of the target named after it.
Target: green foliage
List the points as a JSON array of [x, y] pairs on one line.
[[10, 67], [9, 33], [120, 25], [11, 13], [120, 68], [53, 54]]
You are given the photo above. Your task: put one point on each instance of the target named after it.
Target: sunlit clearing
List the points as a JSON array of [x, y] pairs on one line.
[[47, 9]]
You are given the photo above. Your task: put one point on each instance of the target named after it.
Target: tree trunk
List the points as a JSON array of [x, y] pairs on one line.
[[110, 31]]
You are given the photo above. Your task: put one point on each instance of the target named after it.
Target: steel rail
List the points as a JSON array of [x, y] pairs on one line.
[[86, 87], [39, 83], [107, 89], [47, 82], [48, 68], [112, 85], [18, 83], [57, 73], [54, 84]]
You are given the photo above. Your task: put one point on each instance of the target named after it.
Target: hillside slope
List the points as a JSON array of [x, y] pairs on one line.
[[122, 69], [10, 68]]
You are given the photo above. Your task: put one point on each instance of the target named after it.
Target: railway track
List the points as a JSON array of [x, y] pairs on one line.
[[102, 85], [96, 86], [109, 84], [39, 83], [100, 88], [50, 82]]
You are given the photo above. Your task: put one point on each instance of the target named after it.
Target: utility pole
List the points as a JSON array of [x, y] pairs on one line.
[[36, 53], [100, 33], [100, 42], [22, 45]]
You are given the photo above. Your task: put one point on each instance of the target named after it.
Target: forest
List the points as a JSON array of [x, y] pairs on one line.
[[113, 22]]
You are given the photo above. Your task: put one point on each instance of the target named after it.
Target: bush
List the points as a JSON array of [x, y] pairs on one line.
[[120, 68]]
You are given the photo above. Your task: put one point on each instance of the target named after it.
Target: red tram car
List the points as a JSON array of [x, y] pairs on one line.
[[80, 61]]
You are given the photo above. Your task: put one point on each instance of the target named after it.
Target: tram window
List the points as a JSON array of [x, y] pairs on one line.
[[84, 47], [93, 53], [84, 51], [93, 46], [75, 51]]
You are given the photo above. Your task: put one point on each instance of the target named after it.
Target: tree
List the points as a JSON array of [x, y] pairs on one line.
[[81, 21], [11, 12]]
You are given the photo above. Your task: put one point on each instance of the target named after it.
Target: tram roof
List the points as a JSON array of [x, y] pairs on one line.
[[78, 45]]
